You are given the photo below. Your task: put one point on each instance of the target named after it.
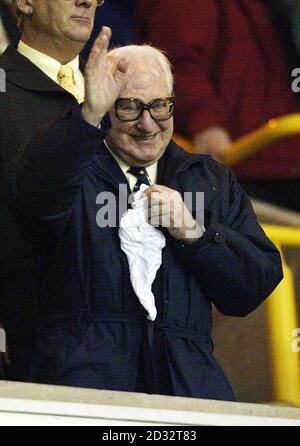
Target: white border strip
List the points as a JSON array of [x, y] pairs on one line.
[[99, 414]]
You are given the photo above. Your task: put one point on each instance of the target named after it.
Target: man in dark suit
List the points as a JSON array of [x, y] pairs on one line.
[[53, 34]]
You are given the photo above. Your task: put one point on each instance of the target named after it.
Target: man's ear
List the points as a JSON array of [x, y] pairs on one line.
[[25, 6]]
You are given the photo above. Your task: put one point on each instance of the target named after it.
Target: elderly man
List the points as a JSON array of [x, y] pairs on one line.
[[95, 331], [44, 81]]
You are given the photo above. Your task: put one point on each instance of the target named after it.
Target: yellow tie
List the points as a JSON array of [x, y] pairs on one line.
[[66, 80]]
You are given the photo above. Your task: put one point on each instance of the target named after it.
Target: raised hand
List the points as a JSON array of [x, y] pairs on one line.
[[104, 78]]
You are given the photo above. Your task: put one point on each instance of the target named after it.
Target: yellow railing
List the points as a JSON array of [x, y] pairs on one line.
[[185, 143], [281, 305], [285, 126], [282, 322], [275, 129]]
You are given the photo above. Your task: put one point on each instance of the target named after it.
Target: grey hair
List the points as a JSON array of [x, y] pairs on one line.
[[148, 54]]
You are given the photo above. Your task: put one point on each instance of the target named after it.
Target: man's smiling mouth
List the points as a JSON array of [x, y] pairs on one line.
[[144, 137]]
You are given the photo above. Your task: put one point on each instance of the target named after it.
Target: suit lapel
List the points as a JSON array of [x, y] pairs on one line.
[[23, 73]]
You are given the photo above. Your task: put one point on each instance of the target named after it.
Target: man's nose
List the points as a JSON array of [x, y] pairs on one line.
[[146, 122]]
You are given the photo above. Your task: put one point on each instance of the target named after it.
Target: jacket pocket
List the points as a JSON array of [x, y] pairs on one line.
[[57, 341]]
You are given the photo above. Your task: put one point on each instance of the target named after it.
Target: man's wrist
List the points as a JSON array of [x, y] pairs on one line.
[[91, 117], [193, 234], [190, 236]]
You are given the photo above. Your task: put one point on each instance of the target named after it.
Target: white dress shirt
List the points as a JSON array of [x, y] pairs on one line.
[[151, 170], [51, 66]]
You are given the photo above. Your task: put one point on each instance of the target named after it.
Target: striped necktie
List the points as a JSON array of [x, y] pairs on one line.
[[142, 176]]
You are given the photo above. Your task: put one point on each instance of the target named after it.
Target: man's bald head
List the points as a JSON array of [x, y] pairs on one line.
[[141, 58]]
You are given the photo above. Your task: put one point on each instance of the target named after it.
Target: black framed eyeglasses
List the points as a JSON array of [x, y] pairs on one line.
[[129, 109]]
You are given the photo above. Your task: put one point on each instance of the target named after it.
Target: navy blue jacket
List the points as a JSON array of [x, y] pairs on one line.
[[95, 333]]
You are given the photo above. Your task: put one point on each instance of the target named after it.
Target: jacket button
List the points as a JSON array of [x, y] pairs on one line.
[[218, 238], [214, 188]]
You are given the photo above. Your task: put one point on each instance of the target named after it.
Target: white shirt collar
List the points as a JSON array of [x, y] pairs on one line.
[[151, 170], [49, 65]]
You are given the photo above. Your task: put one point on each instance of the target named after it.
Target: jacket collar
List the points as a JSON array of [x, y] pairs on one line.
[[107, 167], [176, 160], [173, 161], [23, 73]]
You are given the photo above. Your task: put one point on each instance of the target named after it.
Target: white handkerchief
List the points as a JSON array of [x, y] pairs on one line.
[[142, 244]]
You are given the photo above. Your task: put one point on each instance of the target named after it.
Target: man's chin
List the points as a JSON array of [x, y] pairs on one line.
[[147, 158], [80, 35]]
